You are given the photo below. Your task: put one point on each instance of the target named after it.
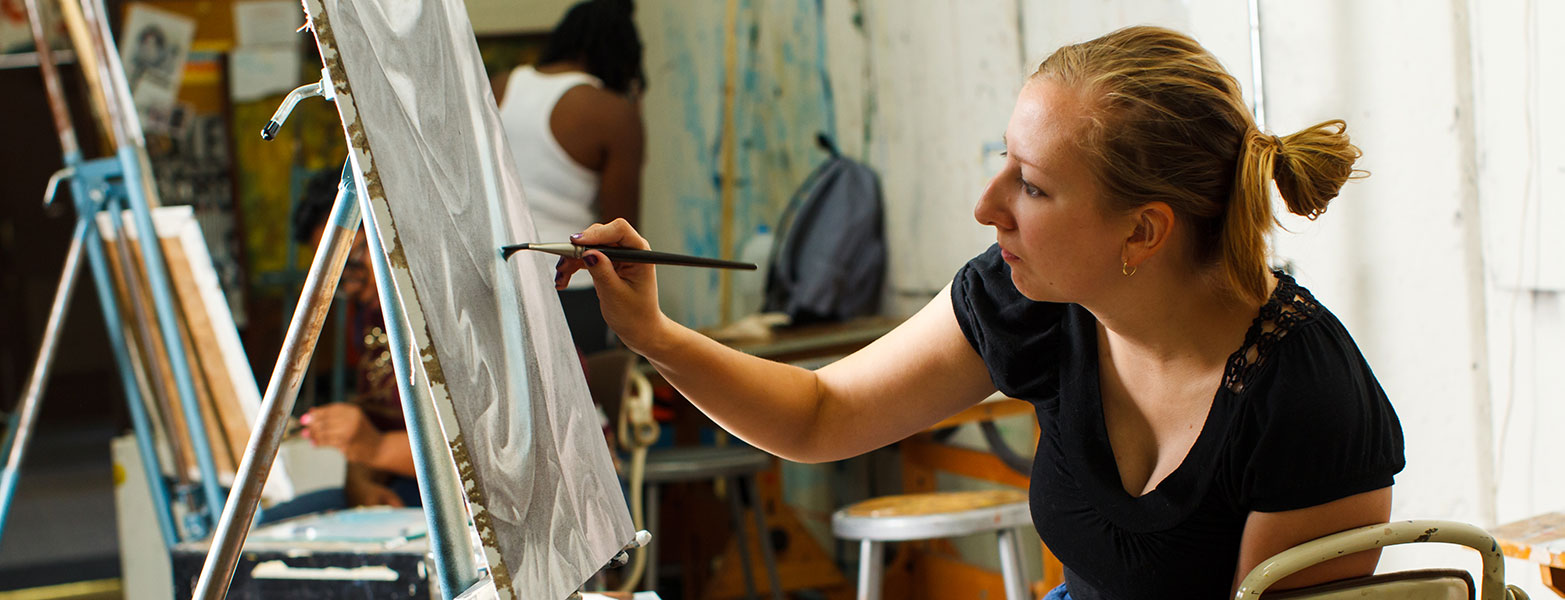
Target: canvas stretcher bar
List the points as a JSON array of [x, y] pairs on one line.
[[439, 489]]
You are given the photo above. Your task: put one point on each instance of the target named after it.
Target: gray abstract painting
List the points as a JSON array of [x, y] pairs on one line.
[[423, 128]]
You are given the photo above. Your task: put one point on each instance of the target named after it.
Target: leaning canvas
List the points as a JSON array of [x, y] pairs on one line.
[[226, 388], [423, 129]]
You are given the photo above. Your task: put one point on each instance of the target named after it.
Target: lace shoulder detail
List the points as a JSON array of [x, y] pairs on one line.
[[1289, 307]]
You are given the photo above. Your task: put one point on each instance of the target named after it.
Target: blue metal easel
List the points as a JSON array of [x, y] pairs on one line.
[[113, 185]]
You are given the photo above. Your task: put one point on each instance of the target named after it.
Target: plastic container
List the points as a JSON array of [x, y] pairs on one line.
[[749, 287]]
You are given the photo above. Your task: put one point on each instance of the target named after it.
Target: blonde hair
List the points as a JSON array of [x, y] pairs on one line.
[[1168, 124]]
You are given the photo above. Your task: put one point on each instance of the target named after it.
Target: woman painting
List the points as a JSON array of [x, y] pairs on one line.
[[1199, 411]]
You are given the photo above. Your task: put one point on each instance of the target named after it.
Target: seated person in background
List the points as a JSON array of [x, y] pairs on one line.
[[1199, 411], [575, 130], [368, 428]]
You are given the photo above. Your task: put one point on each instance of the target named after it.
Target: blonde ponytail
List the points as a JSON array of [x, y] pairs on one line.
[[1249, 216], [1312, 166]]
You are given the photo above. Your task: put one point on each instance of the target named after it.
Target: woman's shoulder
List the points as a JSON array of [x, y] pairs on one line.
[[596, 104], [1300, 345], [1312, 424], [1018, 338], [1294, 339], [1301, 375], [983, 295]]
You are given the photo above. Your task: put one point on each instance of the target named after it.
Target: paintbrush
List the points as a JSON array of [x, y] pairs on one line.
[[627, 255]]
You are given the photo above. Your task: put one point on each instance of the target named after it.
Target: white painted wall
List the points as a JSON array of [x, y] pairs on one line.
[[1390, 256], [1445, 263], [1519, 97], [943, 80]]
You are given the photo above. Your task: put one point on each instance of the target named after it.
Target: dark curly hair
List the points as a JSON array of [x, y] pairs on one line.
[[600, 34]]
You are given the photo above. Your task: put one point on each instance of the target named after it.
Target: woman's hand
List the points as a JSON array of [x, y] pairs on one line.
[[342, 426], [628, 293]]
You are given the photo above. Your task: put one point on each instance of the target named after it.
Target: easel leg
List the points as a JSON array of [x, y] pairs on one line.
[[320, 285], [439, 487], [141, 193], [168, 327], [86, 235], [129, 369], [20, 428]]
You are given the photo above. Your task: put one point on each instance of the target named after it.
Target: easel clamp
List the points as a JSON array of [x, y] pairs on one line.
[[321, 88]]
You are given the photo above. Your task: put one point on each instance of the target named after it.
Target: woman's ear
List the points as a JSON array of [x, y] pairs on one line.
[[1153, 225]]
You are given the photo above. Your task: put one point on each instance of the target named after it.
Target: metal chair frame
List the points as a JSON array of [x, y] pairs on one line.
[[1492, 584]]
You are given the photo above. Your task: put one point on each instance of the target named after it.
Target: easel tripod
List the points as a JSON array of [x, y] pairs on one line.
[[439, 488], [112, 186], [107, 184]]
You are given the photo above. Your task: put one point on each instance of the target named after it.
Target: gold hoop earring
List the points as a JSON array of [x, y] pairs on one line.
[[1127, 269]]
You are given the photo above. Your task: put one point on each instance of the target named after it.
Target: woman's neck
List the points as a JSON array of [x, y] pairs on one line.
[[1177, 318]]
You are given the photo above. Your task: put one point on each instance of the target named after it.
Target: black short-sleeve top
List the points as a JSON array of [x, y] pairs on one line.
[[1298, 421]]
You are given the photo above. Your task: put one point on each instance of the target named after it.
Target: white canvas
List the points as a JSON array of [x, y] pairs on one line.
[[422, 127]]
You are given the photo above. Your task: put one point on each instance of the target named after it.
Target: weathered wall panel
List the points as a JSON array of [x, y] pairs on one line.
[[779, 103]]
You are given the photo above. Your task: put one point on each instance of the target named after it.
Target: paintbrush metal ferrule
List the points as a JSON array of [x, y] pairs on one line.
[[566, 250]]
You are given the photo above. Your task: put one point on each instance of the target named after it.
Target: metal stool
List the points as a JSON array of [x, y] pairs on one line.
[[734, 464], [935, 515]]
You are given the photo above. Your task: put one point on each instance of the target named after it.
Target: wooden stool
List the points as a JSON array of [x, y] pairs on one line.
[[1538, 539], [935, 515]]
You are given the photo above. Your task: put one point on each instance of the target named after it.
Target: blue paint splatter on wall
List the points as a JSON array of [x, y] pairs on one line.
[[782, 100]]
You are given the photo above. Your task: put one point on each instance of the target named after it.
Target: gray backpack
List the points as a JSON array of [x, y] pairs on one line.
[[830, 258]]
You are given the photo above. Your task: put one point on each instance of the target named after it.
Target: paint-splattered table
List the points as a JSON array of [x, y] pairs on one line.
[[1540, 539]]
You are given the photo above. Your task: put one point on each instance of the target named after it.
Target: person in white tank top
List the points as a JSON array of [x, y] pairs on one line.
[[576, 135]]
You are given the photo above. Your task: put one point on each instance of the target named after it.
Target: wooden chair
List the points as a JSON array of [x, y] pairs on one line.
[[1427, 584], [935, 515]]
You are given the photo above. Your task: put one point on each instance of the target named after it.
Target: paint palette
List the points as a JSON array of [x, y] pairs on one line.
[[383, 525], [355, 553]]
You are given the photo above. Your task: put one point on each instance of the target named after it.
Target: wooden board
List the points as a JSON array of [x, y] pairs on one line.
[[226, 389], [222, 453], [1540, 539], [161, 399], [424, 132]]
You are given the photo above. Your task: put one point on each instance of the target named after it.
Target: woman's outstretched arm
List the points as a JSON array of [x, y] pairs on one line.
[[914, 376]]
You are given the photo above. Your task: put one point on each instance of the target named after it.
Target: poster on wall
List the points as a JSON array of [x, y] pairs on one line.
[[153, 47], [265, 60]]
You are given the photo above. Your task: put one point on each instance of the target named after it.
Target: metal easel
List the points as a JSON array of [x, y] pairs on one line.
[[113, 185], [439, 488]]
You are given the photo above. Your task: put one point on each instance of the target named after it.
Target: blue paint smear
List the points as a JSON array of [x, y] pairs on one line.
[[695, 206], [782, 99]]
